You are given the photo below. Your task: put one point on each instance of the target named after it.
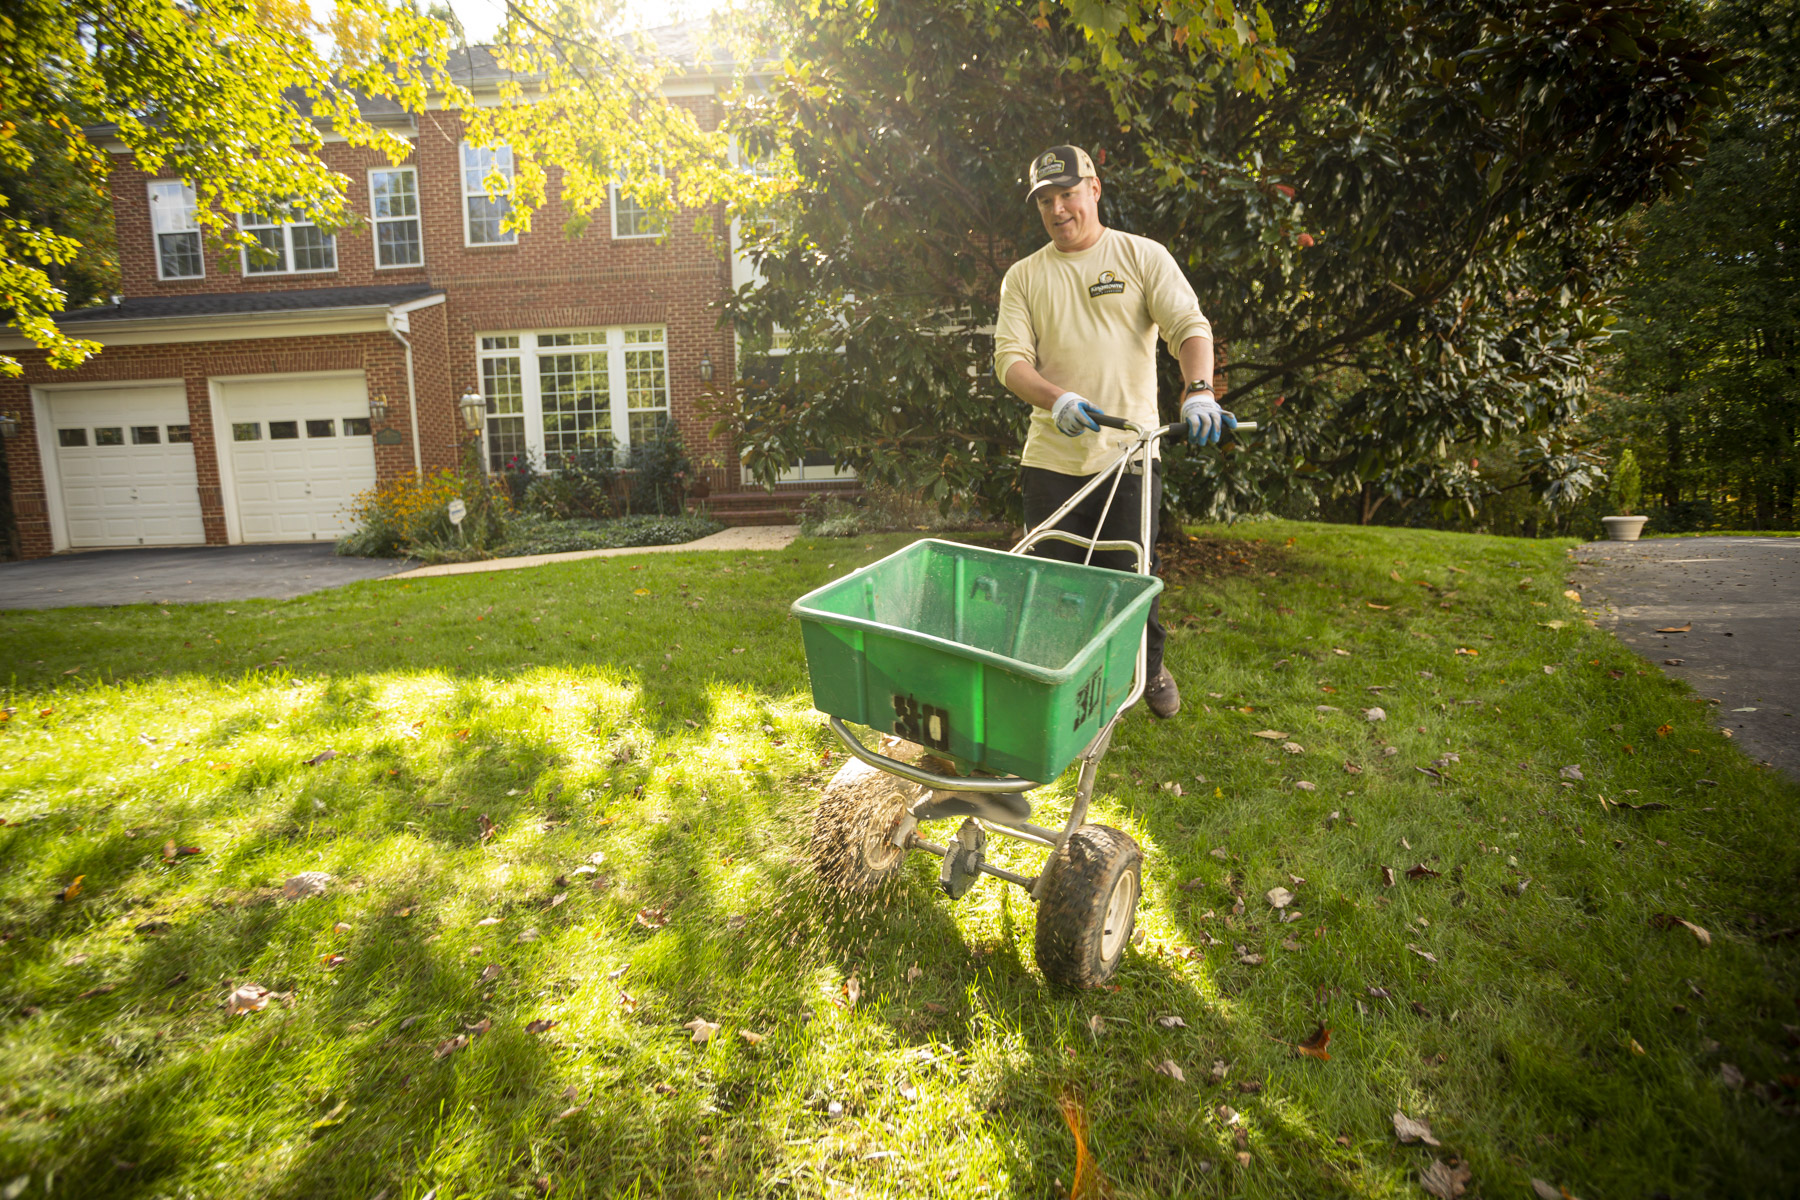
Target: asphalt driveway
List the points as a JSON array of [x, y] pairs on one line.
[[1740, 598], [183, 575]]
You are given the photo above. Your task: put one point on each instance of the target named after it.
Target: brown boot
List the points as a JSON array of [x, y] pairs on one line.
[[1163, 697]]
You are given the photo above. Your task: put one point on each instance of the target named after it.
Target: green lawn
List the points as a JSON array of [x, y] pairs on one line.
[[648, 718]]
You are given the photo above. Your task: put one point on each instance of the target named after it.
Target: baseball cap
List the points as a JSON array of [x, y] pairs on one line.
[[1060, 166]]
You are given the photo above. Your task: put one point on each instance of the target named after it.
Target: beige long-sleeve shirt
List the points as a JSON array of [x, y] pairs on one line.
[[1088, 322]]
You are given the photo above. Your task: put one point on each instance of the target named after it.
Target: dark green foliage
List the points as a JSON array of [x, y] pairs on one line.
[[658, 472], [535, 535], [1408, 249], [1710, 337]]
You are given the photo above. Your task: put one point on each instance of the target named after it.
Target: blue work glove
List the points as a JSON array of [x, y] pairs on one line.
[[1073, 415], [1205, 419]]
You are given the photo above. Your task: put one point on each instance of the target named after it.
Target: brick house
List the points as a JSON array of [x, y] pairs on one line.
[[249, 400]]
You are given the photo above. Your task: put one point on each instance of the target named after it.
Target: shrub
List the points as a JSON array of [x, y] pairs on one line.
[[659, 468], [1627, 486], [410, 516]]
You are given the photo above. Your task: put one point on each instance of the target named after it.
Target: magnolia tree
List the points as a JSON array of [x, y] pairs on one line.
[[1403, 221]]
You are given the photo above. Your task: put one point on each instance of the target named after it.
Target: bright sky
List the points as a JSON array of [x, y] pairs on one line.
[[480, 18]]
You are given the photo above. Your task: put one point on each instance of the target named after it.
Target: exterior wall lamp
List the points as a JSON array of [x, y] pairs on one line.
[[378, 408], [9, 425], [473, 407], [706, 370]]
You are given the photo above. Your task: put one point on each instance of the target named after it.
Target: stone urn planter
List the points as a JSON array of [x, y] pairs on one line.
[[1623, 529]]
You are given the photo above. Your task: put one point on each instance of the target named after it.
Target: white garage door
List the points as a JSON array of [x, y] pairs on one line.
[[125, 463], [300, 452]]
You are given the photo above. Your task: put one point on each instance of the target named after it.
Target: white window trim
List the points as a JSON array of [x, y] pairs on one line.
[[531, 405], [287, 237], [462, 187], [417, 218], [612, 208], [150, 187]]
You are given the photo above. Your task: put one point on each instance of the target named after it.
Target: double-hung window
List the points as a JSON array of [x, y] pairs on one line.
[[286, 244], [630, 218], [482, 216], [394, 209], [177, 234], [555, 396]]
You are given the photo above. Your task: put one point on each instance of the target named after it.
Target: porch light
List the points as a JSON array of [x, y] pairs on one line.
[[9, 425], [705, 369], [378, 406], [474, 407]]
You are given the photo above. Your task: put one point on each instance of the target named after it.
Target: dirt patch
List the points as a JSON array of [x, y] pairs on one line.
[[1189, 558]]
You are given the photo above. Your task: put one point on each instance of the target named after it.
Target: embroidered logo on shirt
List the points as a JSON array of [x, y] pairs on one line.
[[1109, 285]]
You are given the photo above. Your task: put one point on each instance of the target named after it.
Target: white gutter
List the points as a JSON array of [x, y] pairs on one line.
[[399, 323]]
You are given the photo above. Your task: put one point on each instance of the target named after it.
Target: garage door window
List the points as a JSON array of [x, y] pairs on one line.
[[71, 437], [356, 427], [180, 434], [552, 396], [321, 429], [246, 431], [112, 435], [282, 431], [146, 435]]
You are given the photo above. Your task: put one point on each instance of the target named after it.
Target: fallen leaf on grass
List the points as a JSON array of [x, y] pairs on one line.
[[1314, 1046], [1374, 714], [450, 1046], [1387, 877], [101, 990], [1444, 1180], [1382, 607], [751, 1036], [306, 883], [322, 756], [702, 1029], [1273, 735], [1677, 628], [151, 928], [1421, 871], [1571, 772], [1293, 747], [932, 1006], [528, 935], [485, 825], [1305, 785], [1470, 653], [332, 960], [1427, 955], [1730, 1076], [557, 899], [1280, 897], [1171, 1022], [912, 973], [1167, 1067], [1096, 1024], [1409, 1130], [1290, 944], [171, 851], [736, 921], [480, 1027], [485, 921], [1549, 1191], [566, 1113], [653, 918], [1670, 920], [627, 1001], [542, 1025], [72, 891], [490, 973], [251, 997], [853, 989], [1219, 853]]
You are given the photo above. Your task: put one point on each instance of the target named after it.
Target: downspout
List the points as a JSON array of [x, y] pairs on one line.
[[396, 321]]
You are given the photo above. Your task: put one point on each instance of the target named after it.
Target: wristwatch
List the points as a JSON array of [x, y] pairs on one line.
[[1197, 385]]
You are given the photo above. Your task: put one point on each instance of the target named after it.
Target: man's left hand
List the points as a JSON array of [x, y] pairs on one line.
[[1205, 419]]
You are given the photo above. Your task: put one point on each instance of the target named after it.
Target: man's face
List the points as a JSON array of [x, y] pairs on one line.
[[1071, 215]]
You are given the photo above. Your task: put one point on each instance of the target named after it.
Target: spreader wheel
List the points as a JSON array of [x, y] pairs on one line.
[[1085, 917], [852, 845]]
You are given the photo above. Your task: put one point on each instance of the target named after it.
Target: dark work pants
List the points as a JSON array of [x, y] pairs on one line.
[[1047, 491]]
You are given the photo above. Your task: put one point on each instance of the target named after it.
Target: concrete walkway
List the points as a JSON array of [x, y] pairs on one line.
[[1740, 596], [183, 575], [741, 538]]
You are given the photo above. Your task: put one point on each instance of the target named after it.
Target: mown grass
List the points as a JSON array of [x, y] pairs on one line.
[[649, 718]]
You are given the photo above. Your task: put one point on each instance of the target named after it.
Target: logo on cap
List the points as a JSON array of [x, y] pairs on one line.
[[1109, 285], [1050, 165]]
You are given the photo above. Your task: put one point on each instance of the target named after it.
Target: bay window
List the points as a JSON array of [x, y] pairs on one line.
[[553, 396]]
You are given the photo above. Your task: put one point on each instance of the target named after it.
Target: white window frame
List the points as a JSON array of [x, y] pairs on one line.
[[376, 222], [609, 340], [287, 228], [156, 233], [462, 177], [613, 206]]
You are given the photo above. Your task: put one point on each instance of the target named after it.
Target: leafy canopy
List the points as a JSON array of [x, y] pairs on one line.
[[1402, 220]]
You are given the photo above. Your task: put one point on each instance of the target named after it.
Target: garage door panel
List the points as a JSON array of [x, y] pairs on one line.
[[298, 488], [121, 483]]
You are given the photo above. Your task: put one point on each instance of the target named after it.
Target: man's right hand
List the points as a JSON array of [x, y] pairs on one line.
[[1074, 416]]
